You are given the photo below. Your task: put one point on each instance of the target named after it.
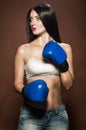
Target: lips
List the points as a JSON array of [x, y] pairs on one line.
[[33, 28]]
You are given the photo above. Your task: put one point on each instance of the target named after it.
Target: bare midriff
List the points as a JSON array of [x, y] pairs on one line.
[[54, 96]]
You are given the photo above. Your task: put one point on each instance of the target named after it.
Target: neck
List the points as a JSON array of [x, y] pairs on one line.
[[43, 39]]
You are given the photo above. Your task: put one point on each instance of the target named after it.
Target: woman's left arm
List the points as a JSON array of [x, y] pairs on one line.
[[68, 76]]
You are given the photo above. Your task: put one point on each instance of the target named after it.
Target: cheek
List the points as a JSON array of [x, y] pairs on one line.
[[41, 27]]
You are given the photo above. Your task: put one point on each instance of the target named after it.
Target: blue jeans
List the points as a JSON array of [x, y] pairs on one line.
[[36, 119]]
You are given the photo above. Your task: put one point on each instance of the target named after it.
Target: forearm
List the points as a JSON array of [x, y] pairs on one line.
[[67, 79], [18, 87]]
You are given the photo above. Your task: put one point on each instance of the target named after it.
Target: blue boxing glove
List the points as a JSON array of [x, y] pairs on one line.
[[36, 91], [52, 50]]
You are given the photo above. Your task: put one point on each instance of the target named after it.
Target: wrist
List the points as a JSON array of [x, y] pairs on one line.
[[22, 93], [63, 67]]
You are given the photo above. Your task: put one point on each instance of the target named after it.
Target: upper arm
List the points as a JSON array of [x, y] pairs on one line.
[[69, 53], [19, 66]]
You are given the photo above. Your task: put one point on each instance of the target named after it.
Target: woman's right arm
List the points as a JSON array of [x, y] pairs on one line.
[[19, 70]]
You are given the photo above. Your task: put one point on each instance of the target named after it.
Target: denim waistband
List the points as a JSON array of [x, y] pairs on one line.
[[38, 110], [57, 110]]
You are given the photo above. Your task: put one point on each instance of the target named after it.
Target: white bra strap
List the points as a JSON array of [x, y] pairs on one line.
[[29, 50]]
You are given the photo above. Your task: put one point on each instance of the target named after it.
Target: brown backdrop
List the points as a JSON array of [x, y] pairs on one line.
[[71, 20]]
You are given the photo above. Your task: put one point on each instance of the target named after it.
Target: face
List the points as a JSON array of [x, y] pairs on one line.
[[36, 24]]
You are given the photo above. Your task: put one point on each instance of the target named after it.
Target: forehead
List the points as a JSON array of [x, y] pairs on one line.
[[33, 13]]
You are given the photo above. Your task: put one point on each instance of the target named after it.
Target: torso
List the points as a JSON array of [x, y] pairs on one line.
[[54, 96], [53, 82]]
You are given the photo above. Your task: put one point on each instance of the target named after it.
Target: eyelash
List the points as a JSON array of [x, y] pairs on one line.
[[38, 18], [30, 20]]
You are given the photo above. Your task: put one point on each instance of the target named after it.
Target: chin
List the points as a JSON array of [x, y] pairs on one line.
[[37, 33]]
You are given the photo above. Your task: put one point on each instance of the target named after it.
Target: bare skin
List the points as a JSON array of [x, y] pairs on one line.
[[54, 83]]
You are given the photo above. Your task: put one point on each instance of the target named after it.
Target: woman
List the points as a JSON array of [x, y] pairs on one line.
[[51, 114]]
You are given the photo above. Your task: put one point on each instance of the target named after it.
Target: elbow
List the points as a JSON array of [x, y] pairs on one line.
[[15, 86], [68, 83]]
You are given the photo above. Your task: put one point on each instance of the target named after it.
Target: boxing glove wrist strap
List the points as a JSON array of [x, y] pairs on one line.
[[63, 67]]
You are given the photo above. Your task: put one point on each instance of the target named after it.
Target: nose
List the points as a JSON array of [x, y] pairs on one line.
[[33, 22]]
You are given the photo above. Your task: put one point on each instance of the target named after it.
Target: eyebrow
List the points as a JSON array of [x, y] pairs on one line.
[[33, 17]]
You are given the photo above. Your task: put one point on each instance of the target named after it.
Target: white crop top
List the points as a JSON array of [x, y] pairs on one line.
[[37, 68]]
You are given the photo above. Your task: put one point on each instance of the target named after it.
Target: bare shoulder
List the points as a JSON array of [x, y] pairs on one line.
[[22, 48], [66, 47]]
